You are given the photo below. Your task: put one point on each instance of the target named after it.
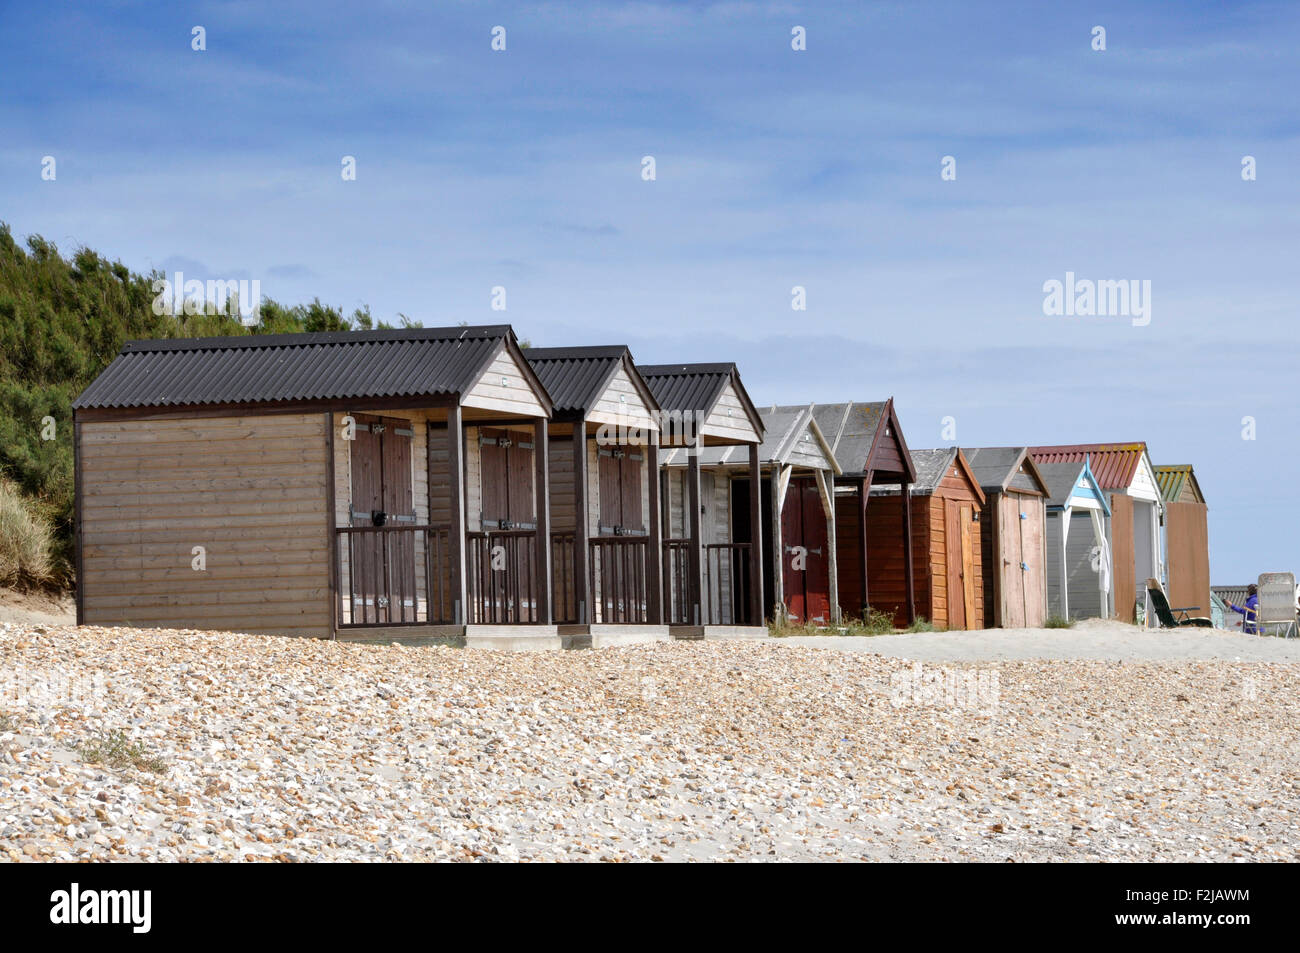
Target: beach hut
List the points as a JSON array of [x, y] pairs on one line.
[[606, 549], [868, 446], [1013, 536], [712, 576], [948, 560], [363, 484], [1186, 537], [797, 483], [1078, 567], [1125, 474]]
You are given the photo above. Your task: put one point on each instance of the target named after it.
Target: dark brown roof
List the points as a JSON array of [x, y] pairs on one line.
[[857, 438], [413, 362], [576, 377]]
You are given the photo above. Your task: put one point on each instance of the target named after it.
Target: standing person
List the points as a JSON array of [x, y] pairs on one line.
[[1250, 610]]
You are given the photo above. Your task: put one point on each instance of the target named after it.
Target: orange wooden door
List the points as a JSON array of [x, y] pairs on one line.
[[956, 579], [1123, 580]]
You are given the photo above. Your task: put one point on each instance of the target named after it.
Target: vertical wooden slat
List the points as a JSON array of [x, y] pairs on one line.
[[581, 521], [864, 494]]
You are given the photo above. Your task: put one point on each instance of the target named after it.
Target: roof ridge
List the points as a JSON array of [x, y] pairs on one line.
[[310, 338]]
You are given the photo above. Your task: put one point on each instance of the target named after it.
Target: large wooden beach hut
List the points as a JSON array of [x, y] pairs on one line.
[[365, 484]]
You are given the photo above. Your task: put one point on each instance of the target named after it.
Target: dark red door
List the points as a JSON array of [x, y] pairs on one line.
[[504, 576], [806, 565]]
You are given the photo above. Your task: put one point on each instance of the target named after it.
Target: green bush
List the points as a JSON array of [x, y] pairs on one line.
[[1056, 622]]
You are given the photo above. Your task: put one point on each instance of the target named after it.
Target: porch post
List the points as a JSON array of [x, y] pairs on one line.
[[779, 614], [864, 494], [755, 538], [695, 552], [456, 510], [542, 493], [332, 536], [654, 589], [826, 488], [907, 550], [581, 587]]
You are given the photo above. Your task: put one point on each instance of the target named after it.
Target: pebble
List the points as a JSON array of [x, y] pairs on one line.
[[284, 749]]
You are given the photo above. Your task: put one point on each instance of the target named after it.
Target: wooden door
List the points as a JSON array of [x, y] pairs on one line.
[[955, 557], [806, 561], [620, 491], [382, 564], [1033, 535], [966, 518], [1123, 582], [1011, 536], [1188, 557], [506, 477]]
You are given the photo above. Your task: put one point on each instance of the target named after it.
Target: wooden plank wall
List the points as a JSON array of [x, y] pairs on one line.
[[886, 583], [250, 490], [1123, 583], [1187, 532]]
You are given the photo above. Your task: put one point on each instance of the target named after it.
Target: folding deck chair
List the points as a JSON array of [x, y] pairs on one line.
[[1277, 609], [1173, 618]]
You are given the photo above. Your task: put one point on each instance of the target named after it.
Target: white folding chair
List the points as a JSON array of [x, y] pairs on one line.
[[1277, 608]]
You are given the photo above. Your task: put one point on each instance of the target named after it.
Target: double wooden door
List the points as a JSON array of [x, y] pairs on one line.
[[382, 562], [805, 557]]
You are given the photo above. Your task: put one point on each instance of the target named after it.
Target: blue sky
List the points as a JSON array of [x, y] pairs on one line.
[[775, 168]]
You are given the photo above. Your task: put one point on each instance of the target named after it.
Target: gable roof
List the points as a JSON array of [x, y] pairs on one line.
[[785, 429], [932, 468], [996, 468], [1174, 478], [1063, 479], [279, 368], [577, 377], [863, 435], [696, 388], [1113, 464]]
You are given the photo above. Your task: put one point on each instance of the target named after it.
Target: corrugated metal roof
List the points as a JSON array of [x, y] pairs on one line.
[[180, 372], [575, 377], [931, 467], [1113, 464], [851, 430], [1172, 478], [696, 388], [693, 387]]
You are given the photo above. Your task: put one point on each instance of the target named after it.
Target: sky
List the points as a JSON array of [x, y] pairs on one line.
[[774, 168]]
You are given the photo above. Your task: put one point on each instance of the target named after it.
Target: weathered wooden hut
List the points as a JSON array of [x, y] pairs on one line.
[[1013, 536], [946, 502], [606, 536], [1078, 561], [798, 472], [867, 444], [373, 484], [1186, 537], [1124, 472], [712, 579]]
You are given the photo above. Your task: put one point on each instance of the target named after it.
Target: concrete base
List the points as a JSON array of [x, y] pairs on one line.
[[513, 638], [452, 635], [603, 636], [719, 632]]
